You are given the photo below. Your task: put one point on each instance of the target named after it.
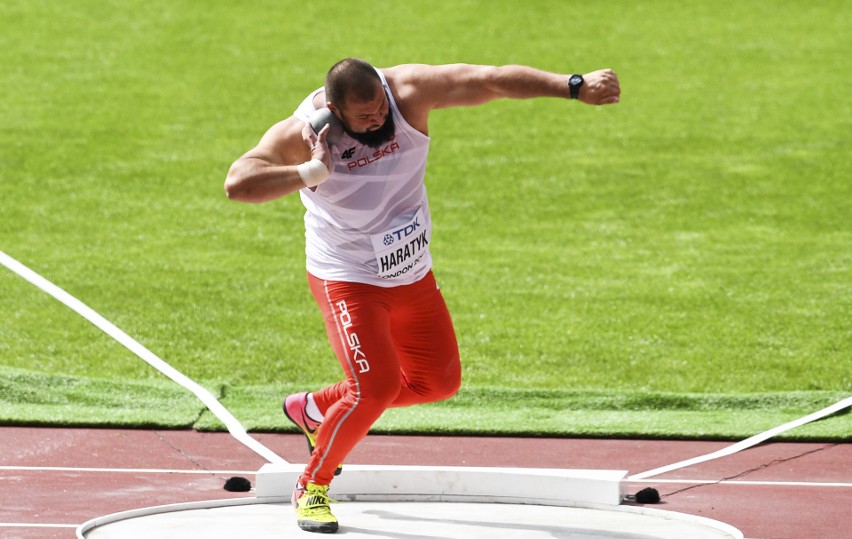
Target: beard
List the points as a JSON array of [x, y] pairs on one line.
[[377, 137]]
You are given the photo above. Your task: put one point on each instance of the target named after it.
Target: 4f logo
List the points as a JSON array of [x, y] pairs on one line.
[[348, 153]]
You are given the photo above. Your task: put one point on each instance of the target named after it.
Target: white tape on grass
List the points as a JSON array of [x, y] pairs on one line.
[[748, 442], [234, 426]]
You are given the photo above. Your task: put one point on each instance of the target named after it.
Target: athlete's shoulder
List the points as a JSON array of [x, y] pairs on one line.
[[414, 87], [408, 75], [282, 143], [429, 83]]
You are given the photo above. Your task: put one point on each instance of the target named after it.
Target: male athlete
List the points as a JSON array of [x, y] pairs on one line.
[[368, 232]]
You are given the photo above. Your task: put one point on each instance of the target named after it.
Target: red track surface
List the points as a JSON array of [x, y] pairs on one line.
[[773, 491]]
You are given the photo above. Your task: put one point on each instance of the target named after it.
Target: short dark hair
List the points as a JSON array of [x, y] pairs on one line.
[[351, 78]]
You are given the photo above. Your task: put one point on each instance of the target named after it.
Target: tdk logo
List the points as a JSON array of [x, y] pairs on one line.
[[403, 232]]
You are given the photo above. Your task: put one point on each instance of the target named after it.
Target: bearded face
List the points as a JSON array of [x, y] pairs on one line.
[[374, 138], [368, 120]]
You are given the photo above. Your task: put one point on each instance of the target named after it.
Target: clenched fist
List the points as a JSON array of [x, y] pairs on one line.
[[600, 88]]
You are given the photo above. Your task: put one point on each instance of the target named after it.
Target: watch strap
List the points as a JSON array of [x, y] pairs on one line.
[[575, 82]]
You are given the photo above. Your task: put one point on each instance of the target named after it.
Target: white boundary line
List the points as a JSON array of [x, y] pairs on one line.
[[748, 442], [234, 426], [31, 525], [122, 470], [768, 483], [745, 483]]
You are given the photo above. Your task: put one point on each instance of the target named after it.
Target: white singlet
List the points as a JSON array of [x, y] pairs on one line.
[[369, 221]]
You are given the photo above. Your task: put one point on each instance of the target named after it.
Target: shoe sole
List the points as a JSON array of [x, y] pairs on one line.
[[318, 527]]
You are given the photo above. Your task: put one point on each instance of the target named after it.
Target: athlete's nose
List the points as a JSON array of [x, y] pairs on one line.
[[377, 120]]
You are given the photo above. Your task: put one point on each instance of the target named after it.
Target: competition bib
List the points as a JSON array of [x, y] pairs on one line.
[[402, 248]]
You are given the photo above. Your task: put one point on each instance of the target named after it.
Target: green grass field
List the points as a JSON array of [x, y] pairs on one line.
[[677, 265]]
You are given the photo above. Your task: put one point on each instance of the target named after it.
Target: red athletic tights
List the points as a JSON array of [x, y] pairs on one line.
[[397, 347]]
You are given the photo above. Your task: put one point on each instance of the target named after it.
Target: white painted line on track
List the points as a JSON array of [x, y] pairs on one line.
[[745, 482], [765, 483], [31, 525], [748, 442], [234, 426], [121, 470]]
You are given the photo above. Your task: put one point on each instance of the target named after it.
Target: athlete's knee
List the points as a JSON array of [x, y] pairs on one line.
[[451, 384], [380, 395], [446, 383]]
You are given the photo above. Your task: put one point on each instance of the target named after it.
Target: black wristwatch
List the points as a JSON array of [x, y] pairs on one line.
[[575, 82]]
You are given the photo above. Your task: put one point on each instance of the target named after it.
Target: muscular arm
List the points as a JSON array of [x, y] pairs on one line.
[[422, 88], [269, 170]]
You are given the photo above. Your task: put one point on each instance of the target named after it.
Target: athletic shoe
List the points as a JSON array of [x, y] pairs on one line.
[[294, 408], [313, 513]]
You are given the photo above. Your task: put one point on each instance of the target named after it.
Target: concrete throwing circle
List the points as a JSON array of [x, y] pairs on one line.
[[409, 520]]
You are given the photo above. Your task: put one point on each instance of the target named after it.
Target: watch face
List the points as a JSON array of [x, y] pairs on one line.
[[575, 79]]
